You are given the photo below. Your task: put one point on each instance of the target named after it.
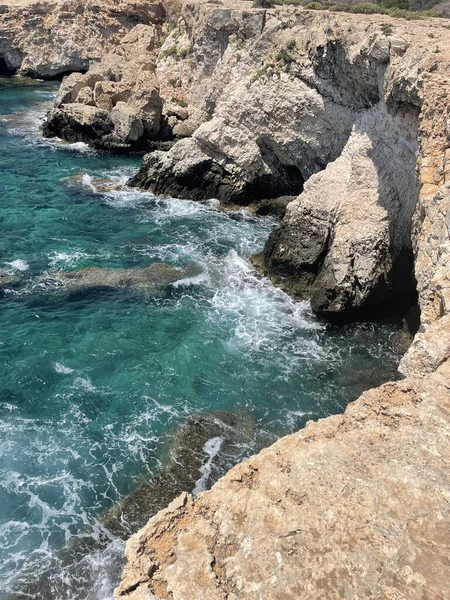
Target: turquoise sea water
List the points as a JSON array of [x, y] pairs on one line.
[[90, 386]]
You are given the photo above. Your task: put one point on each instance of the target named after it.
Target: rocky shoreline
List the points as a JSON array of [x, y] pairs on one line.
[[350, 117]]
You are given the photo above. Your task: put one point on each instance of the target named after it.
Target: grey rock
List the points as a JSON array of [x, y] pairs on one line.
[[153, 279]]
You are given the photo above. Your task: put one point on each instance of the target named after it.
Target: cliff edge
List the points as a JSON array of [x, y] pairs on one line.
[[348, 115], [353, 506]]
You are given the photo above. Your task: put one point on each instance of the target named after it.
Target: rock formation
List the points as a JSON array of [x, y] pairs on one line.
[[49, 39], [353, 506], [349, 113], [276, 99], [116, 105]]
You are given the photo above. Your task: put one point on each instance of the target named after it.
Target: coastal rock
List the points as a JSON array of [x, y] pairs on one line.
[[116, 105], [308, 517], [199, 453], [346, 241], [305, 100], [49, 39], [153, 279], [353, 506]]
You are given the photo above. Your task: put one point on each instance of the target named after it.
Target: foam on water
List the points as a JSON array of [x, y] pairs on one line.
[[18, 265], [91, 387], [211, 449]]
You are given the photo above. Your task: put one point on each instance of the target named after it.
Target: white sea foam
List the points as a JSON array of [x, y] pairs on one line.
[[86, 181], [202, 277], [85, 384], [211, 449], [18, 265], [60, 368]]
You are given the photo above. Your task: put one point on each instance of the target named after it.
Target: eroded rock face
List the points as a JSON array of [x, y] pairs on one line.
[[48, 39], [293, 98], [345, 242], [344, 508], [116, 105]]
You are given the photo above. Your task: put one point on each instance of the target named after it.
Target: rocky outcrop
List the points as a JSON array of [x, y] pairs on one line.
[[49, 39], [116, 105], [353, 506], [284, 97], [268, 100], [345, 242]]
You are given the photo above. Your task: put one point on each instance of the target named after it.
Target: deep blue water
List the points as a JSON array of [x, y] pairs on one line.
[[89, 386]]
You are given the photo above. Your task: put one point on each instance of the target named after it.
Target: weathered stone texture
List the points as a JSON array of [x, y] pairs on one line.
[[353, 506]]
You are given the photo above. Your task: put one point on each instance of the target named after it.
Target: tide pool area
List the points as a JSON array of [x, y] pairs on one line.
[[93, 383]]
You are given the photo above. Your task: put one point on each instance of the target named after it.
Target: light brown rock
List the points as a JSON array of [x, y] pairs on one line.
[[47, 39], [353, 506], [122, 87]]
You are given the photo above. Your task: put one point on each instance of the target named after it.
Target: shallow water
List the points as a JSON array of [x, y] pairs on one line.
[[90, 386]]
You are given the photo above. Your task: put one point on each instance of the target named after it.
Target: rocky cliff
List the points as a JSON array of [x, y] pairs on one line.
[[259, 103], [352, 113], [348, 114], [51, 38]]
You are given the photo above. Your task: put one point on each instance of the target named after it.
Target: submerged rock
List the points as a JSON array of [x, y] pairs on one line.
[[191, 461], [151, 279], [9, 280]]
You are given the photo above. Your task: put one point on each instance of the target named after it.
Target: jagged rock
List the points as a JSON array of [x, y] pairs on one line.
[[430, 348], [186, 172], [116, 105], [346, 239]]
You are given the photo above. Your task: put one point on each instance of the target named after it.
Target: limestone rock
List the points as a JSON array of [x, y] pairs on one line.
[[121, 91], [48, 39], [343, 241], [353, 506], [430, 348]]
